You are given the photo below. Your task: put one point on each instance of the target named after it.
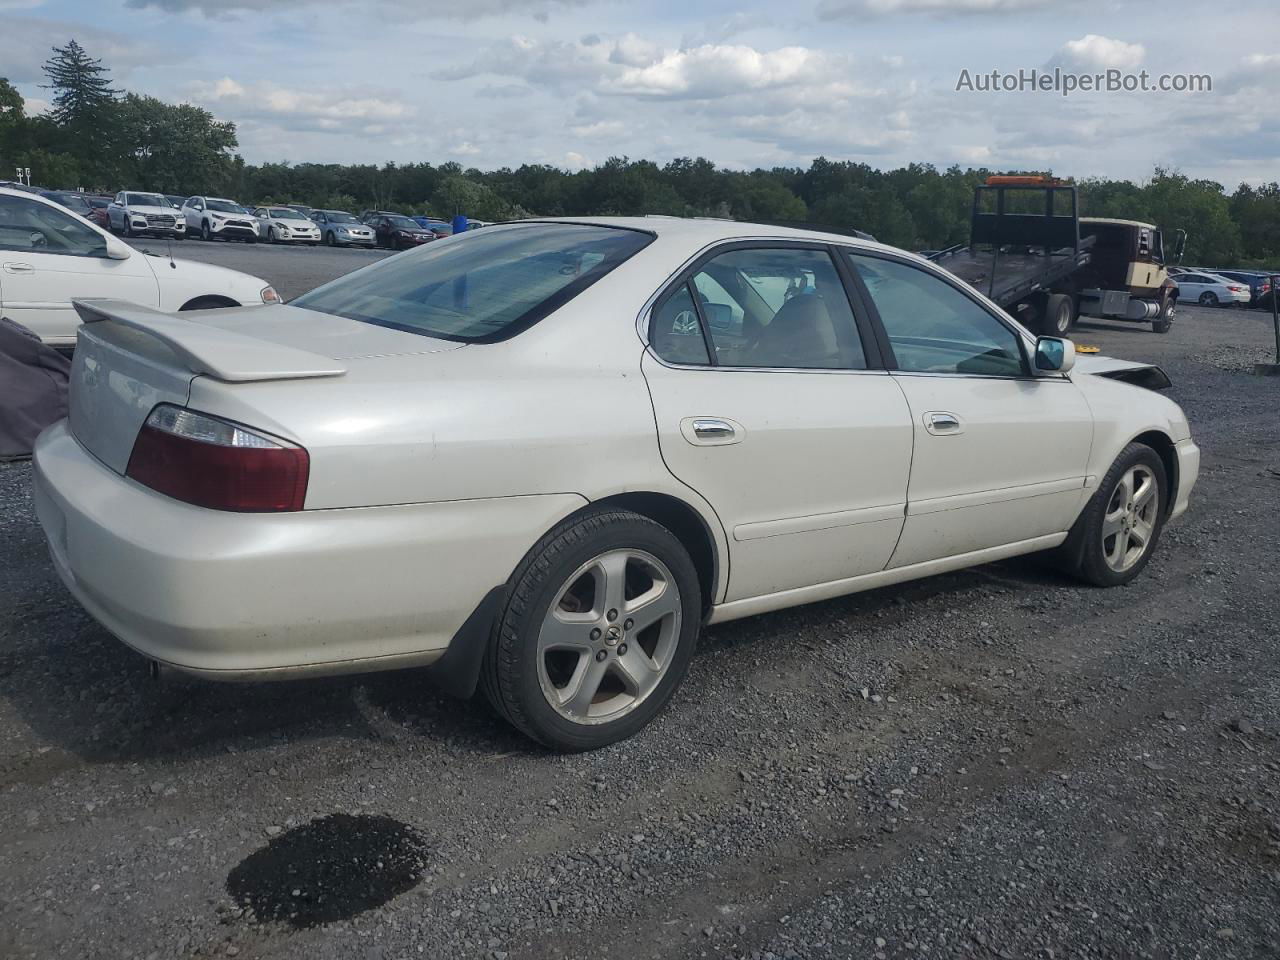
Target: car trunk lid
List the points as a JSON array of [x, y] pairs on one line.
[[130, 358]]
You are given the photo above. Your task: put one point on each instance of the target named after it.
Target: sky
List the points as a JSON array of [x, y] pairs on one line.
[[493, 83]]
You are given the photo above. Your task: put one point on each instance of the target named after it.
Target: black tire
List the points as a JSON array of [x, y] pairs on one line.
[[509, 673], [1164, 322], [1082, 555], [329, 241], [205, 233], [1058, 316], [125, 229], [271, 235], [180, 236], [1208, 299]]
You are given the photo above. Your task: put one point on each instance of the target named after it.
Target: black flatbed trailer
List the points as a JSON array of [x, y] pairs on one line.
[[1016, 257]]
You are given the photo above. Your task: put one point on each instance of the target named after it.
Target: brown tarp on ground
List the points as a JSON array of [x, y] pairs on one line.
[[33, 388]]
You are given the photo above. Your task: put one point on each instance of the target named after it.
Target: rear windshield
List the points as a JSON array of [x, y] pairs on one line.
[[482, 288]]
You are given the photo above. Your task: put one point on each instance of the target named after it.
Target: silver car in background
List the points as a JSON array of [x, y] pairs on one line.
[[340, 229]]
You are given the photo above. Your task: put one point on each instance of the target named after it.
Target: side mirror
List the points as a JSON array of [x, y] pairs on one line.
[[117, 249], [1180, 246], [1054, 355]]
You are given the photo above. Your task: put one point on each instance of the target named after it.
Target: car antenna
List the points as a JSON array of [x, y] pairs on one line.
[[169, 241]]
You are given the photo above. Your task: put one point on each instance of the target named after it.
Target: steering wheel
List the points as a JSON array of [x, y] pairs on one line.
[[38, 239]]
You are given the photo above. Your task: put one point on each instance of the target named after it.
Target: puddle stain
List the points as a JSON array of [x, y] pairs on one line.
[[330, 869]]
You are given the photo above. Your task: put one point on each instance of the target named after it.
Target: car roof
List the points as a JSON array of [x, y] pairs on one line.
[[711, 230]]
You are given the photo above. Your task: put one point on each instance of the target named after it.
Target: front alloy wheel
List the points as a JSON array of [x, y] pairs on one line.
[[1114, 537], [1129, 524], [599, 626]]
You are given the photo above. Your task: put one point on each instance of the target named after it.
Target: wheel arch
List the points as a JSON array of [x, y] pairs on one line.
[[686, 524], [209, 302], [1163, 445]]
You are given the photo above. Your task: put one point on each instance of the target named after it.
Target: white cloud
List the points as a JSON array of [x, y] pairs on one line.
[[303, 109], [401, 9], [840, 9], [27, 42], [1094, 52], [715, 70], [972, 154]]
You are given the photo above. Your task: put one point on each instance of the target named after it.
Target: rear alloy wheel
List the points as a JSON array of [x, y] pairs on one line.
[[600, 624], [1059, 315], [1208, 299], [1113, 539]]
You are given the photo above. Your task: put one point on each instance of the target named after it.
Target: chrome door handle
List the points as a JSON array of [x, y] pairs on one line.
[[713, 430], [940, 423], [19, 268]]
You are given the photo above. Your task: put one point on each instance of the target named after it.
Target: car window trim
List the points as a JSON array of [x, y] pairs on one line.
[[961, 287], [685, 275]]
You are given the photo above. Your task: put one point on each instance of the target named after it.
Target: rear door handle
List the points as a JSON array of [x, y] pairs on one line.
[[942, 424], [711, 431], [19, 268]]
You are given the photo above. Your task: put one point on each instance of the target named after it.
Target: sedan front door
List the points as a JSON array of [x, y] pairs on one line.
[[768, 403], [48, 257], [1000, 455]]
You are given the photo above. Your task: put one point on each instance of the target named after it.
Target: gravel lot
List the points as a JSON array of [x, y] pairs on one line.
[[993, 763]]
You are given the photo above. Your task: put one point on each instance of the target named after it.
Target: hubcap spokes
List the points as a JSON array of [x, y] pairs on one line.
[[609, 636], [1130, 520]]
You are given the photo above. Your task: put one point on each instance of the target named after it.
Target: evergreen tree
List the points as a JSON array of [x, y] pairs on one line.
[[82, 93]]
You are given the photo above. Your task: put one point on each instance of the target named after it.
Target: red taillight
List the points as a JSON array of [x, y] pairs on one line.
[[213, 463]]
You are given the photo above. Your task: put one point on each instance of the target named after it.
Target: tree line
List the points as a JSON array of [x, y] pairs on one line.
[[101, 139]]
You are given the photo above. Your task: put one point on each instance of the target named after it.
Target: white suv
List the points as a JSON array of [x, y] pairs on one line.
[[48, 256], [212, 218], [133, 214]]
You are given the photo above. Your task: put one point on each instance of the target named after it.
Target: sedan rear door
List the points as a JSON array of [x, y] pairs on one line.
[[769, 404]]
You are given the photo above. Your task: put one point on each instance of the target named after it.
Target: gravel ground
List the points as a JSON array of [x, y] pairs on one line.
[[993, 763]]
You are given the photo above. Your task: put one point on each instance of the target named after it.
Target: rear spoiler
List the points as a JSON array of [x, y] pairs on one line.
[[221, 354]]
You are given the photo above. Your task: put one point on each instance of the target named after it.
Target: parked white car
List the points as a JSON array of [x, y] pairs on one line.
[[49, 256], [214, 218], [138, 214], [1211, 290], [540, 457], [286, 225]]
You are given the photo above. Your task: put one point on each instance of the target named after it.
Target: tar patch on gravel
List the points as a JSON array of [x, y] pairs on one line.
[[329, 869]]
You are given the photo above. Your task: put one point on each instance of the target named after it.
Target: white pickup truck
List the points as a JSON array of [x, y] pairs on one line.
[[48, 256]]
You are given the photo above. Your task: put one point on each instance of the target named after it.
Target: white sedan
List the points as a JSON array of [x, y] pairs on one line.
[[1211, 290], [540, 457], [49, 256], [286, 225]]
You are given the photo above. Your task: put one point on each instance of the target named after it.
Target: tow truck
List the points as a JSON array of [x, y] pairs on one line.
[[1031, 252]]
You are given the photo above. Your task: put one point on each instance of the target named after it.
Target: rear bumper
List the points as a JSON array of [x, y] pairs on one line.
[[1188, 471], [262, 596]]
